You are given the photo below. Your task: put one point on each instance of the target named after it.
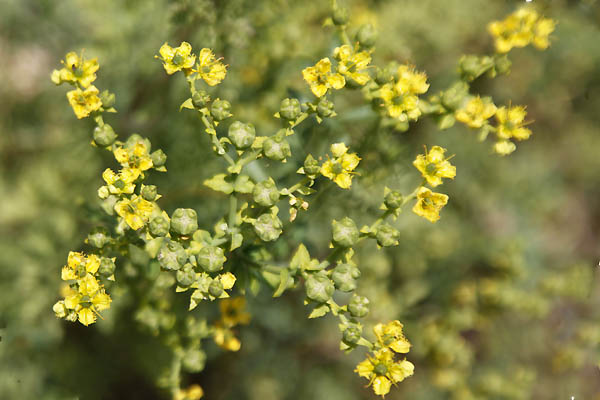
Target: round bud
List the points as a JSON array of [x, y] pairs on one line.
[[184, 221], [159, 158], [352, 334], [340, 16], [194, 360], [319, 287], [159, 226], [149, 192], [345, 232], [200, 99], [358, 306], [276, 148], [220, 109], [107, 267], [503, 64], [186, 276], [241, 135], [265, 193], [311, 166], [454, 96], [107, 98], [104, 135], [393, 200], [171, 256], [290, 109], [211, 258], [366, 35], [387, 236], [98, 237], [325, 108], [268, 227], [216, 288], [344, 276]]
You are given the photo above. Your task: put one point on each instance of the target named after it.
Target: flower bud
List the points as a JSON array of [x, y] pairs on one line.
[[265, 193], [220, 109], [200, 99], [358, 306], [194, 360], [159, 226], [344, 276], [172, 256], [290, 109], [159, 158], [103, 192], [453, 97], [366, 35], [345, 232], [472, 67], [60, 309], [107, 98], [503, 64], [393, 200], [324, 108], [216, 288], [104, 135], [340, 15], [107, 267], [319, 287], [311, 166], [184, 221], [98, 237], [241, 135], [352, 334], [268, 227], [276, 148], [211, 258], [186, 276], [149, 192], [387, 235]]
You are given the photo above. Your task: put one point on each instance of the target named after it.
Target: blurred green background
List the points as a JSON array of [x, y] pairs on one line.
[[500, 298]]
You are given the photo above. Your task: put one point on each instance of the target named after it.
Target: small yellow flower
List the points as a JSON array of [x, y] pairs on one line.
[[225, 339], [521, 28], [178, 58], [382, 371], [213, 71], [339, 169], [434, 166], [233, 311], [320, 78], [85, 101], [542, 31], [476, 112], [401, 97], [121, 183], [511, 123], [429, 204], [193, 392], [135, 211], [504, 147], [76, 70], [353, 64], [391, 335], [134, 159], [79, 264]]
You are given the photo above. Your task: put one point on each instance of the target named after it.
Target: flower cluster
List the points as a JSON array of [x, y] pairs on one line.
[[400, 97], [180, 58], [521, 28]]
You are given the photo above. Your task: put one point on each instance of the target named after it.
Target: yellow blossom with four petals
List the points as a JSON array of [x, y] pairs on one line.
[[210, 69], [320, 78], [429, 204], [434, 166], [177, 58], [353, 64], [382, 371], [476, 112], [77, 70], [400, 98], [135, 211], [339, 169], [84, 102]]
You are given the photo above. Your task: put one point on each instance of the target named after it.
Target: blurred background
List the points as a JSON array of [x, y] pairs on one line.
[[500, 298]]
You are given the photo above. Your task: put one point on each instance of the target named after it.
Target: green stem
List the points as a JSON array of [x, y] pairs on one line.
[[175, 376], [297, 186], [232, 210], [213, 134], [299, 120]]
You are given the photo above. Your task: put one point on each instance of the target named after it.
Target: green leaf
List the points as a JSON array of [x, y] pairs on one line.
[[301, 258], [243, 184], [283, 283], [219, 184], [319, 311], [236, 241]]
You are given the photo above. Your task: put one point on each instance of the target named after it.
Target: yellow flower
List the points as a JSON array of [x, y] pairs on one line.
[[511, 123], [353, 65], [121, 183], [411, 81], [87, 301], [429, 204], [76, 70], [193, 392], [521, 28], [504, 147], [434, 166], [476, 112], [85, 101], [391, 335], [225, 338], [400, 97], [542, 31], [78, 264], [339, 169], [233, 311], [320, 78], [134, 159], [86, 316], [213, 71], [178, 58], [382, 371], [135, 211]]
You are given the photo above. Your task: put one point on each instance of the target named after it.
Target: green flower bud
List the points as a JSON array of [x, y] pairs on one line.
[[276, 148], [340, 15], [104, 135], [107, 267], [387, 235], [265, 193], [98, 237], [241, 135], [136, 138], [172, 256], [345, 232], [149, 192], [186, 276], [503, 64], [366, 35], [344, 276], [290, 109], [393, 200], [200, 99], [194, 360], [358, 306], [159, 158], [211, 258], [325, 108], [453, 97], [471, 67], [268, 227], [311, 166], [352, 334], [159, 226], [184, 221], [383, 76], [107, 98], [216, 288], [220, 109], [319, 287]]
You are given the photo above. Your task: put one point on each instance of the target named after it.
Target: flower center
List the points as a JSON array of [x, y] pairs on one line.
[[380, 369], [177, 59], [337, 168]]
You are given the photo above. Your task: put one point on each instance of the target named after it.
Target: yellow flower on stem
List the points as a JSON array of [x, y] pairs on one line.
[[339, 168], [353, 64], [193, 392], [511, 123], [382, 371], [84, 102], [86, 302], [76, 70], [476, 112], [121, 183], [233, 311], [429, 204], [391, 335], [210, 69], [135, 159], [135, 211], [400, 98], [521, 28], [504, 147], [320, 78], [541, 33], [434, 166], [178, 58], [225, 339], [78, 264]]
